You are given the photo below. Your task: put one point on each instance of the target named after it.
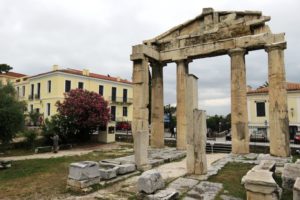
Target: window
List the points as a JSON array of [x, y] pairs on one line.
[[32, 90], [113, 113], [39, 90], [67, 86], [124, 95], [80, 85], [101, 90], [18, 91], [260, 109], [48, 109], [49, 86], [31, 108], [124, 111], [23, 90], [113, 93]]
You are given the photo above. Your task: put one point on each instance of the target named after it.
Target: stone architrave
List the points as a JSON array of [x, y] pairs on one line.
[[278, 111], [157, 106], [239, 116], [196, 147], [140, 125], [182, 103]]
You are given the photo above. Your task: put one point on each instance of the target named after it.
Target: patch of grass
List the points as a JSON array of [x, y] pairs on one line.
[[231, 175], [40, 178]]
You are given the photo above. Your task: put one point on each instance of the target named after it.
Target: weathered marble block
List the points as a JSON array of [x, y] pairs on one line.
[[81, 184], [289, 175], [126, 168], [296, 189], [168, 194], [108, 171], [268, 165], [84, 170], [261, 185], [150, 181]]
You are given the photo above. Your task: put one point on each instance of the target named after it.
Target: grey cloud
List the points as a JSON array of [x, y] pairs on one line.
[[35, 34]]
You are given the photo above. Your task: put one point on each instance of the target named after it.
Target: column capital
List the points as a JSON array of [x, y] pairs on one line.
[[154, 63], [275, 46], [185, 61], [237, 51]]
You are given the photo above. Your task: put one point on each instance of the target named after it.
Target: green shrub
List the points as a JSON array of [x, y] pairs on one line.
[[30, 137]]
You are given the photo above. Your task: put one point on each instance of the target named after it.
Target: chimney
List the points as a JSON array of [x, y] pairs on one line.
[[55, 67], [86, 72], [118, 78]]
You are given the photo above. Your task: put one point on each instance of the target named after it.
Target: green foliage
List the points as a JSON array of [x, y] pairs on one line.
[[219, 123], [4, 68], [60, 126], [34, 117], [11, 113], [30, 137]]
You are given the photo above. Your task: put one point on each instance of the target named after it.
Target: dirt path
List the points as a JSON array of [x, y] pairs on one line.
[[71, 152]]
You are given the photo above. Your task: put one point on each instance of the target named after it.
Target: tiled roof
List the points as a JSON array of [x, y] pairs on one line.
[[93, 75], [13, 74], [290, 87]]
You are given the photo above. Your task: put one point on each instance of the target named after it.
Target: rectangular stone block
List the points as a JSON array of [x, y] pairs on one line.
[[84, 170], [80, 184]]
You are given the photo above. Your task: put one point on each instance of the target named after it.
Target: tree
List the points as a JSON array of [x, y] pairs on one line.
[[4, 68], [83, 111], [219, 123], [11, 113]]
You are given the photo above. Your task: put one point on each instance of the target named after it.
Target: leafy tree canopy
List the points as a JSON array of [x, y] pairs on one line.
[[83, 111], [4, 68], [11, 113]]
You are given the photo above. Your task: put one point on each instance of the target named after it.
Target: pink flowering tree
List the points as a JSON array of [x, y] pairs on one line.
[[83, 111]]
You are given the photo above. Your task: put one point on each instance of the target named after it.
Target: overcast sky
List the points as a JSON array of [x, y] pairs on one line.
[[98, 35]]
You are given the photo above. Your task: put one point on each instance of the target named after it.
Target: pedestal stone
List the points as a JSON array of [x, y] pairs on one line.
[[239, 116], [278, 111], [261, 185]]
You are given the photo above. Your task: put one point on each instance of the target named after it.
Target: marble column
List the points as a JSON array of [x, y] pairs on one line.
[[278, 111], [182, 98], [140, 125], [157, 106], [239, 116]]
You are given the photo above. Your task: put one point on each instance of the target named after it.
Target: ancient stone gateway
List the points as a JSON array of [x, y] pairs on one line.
[[212, 33]]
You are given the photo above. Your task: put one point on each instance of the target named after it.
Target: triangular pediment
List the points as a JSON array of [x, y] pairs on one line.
[[212, 26]]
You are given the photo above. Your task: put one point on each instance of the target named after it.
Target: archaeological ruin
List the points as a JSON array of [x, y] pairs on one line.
[[213, 33]]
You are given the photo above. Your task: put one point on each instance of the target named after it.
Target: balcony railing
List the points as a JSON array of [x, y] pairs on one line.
[[37, 96], [30, 97], [120, 100]]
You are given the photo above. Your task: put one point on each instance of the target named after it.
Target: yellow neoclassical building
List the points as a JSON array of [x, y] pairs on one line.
[[258, 109], [42, 91], [10, 77]]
